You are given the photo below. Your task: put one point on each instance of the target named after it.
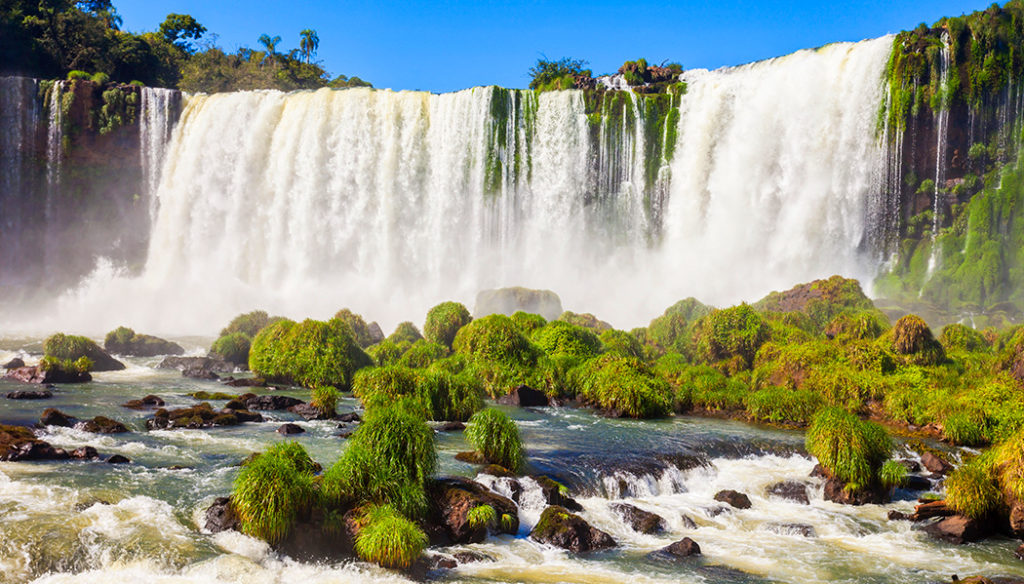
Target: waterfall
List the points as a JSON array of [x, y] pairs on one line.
[[389, 202], [155, 125], [19, 118], [941, 131], [54, 161]]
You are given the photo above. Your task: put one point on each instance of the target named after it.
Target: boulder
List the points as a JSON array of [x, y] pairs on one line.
[[525, 397], [125, 341], [687, 521], [641, 521], [930, 510], [916, 483], [454, 497], [85, 453], [798, 529], [197, 367], [221, 516], [375, 332], [734, 498], [348, 418], [118, 459], [22, 394], [37, 450], [683, 548], [37, 374], [14, 363], [510, 300], [835, 491], [308, 412], [792, 490], [272, 402], [447, 426], [290, 429], [561, 528], [246, 382], [55, 417], [958, 529], [101, 425], [555, 494], [935, 465], [200, 416], [149, 401]]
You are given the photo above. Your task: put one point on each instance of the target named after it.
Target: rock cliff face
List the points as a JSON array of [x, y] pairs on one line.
[[78, 161]]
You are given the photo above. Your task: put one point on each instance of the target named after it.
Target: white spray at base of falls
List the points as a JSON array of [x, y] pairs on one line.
[[386, 202]]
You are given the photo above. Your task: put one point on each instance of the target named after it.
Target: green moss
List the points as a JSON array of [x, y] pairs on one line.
[[528, 323], [249, 324], [444, 321], [272, 491], [911, 338], [384, 353], [215, 395], [957, 337], [388, 539], [496, 437], [622, 343], [311, 353], [849, 449]]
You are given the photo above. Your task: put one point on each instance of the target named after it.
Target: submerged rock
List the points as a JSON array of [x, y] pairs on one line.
[[791, 490], [55, 417], [290, 429], [836, 491], [272, 402], [799, 529], [524, 397], [447, 426], [101, 425], [118, 459], [148, 401], [556, 494], [734, 498], [683, 548], [560, 528], [348, 418], [246, 382], [85, 453], [200, 416], [453, 498], [40, 394], [221, 516], [197, 367], [641, 521]]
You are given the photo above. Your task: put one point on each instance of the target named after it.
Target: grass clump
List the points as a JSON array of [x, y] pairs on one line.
[[233, 347], [446, 396], [865, 325], [704, 387], [249, 324], [624, 386], [970, 490], [622, 343], [849, 449], [527, 322], [360, 329], [912, 338], [325, 400], [405, 332], [496, 437], [482, 516], [422, 353], [561, 338], [892, 474], [495, 338], [444, 321], [72, 348], [273, 490], [736, 332], [388, 539], [311, 353], [384, 353], [966, 427], [783, 406], [958, 337]]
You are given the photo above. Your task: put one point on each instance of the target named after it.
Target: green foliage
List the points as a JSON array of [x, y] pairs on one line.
[[359, 327], [911, 337], [966, 427], [957, 337], [848, 448], [732, 332], [496, 339], [383, 385], [72, 348], [272, 491], [561, 338], [388, 539], [233, 347], [180, 29], [496, 437], [310, 353], [548, 75], [527, 322], [865, 325], [325, 400], [622, 343], [384, 353], [783, 406], [405, 332], [249, 324], [79, 76], [482, 516], [624, 385], [80, 365], [422, 353], [892, 474], [444, 321], [971, 491], [1008, 462], [447, 396]]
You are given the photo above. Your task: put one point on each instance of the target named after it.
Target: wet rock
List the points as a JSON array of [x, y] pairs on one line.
[[197, 367], [149, 401], [561, 528], [19, 443], [450, 427], [836, 491], [308, 412], [798, 529], [932, 509], [683, 548], [454, 497], [1015, 521], [438, 562], [348, 418], [818, 472], [199, 416], [524, 397], [41, 394], [37, 374], [136, 345], [471, 557], [641, 521], [118, 459], [791, 490], [911, 465], [221, 516], [716, 510], [935, 465], [959, 529], [85, 453], [290, 429], [376, 334], [1019, 552], [101, 425], [895, 515], [688, 523], [472, 457], [916, 483], [55, 417], [246, 382], [734, 498], [272, 402], [14, 363], [556, 494], [496, 470]]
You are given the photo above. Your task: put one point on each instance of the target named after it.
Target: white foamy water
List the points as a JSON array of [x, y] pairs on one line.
[[389, 202]]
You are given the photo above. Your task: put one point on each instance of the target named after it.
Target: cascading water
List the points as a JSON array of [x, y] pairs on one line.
[[941, 131], [388, 202], [54, 159], [156, 123], [19, 118]]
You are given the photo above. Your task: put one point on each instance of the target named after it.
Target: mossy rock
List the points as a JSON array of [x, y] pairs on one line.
[[311, 353], [362, 332], [71, 347], [561, 528], [585, 320], [511, 300], [821, 300], [911, 338], [444, 322], [729, 333], [125, 341]]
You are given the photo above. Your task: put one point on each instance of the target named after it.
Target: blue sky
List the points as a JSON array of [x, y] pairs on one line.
[[450, 45]]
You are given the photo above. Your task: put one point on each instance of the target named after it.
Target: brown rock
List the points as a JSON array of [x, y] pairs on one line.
[[683, 548], [560, 528], [935, 464], [41, 394], [836, 491], [148, 401], [734, 498], [85, 453], [101, 425], [641, 521], [791, 490], [454, 497], [38, 375], [959, 529], [118, 459], [290, 429], [55, 417], [221, 516]]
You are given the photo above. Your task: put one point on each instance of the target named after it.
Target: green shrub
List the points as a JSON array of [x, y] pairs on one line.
[[733, 332], [405, 332], [585, 320], [482, 516], [77, 75], [384, 353], [325, 400], [527, 322], [553, 376], [118, 339], [444, 321], [388, 539], [866, 325], [841, 385], [957, 337], [311, 353], [705, 387], [72, 348], [911, 337], [1008, 462], [360, 329], [80, 365], [100, 78], [561, 338], [233, 347], [892, 474], [272, 491], [249, 324], [387, 462], [383, 385], [622, 343], [624, 385], [496, 437], [966, 427], [495, 338], [422, 353], [970, 491], [779, 405], [447, 396], [849, 449]]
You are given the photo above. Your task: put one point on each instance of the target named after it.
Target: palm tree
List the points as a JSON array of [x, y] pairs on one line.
[[309, 43], [270, 43]]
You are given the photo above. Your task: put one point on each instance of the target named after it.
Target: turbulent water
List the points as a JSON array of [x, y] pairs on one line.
[[389, 202], [95, 522]]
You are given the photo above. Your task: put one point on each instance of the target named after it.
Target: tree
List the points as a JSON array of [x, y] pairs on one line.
[[178, 28], [309, 43], [270, 43], [558, 74]]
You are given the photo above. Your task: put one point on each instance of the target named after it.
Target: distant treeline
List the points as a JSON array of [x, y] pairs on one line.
[[53, 38]]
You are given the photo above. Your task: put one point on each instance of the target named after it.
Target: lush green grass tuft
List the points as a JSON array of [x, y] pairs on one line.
[[892, 474], [496, 437], [622, 343], [527, 322], [388, 539], [325, 400], [624, 385], [233, 347], [311, 353], [273, 490], [405, 332], [783, 406], [738, 331], [444, 321], [422, 353], [482, 516], [249, 324], [848, 448], [360, 330], [384, 353], [561, 338], [970, 490]]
